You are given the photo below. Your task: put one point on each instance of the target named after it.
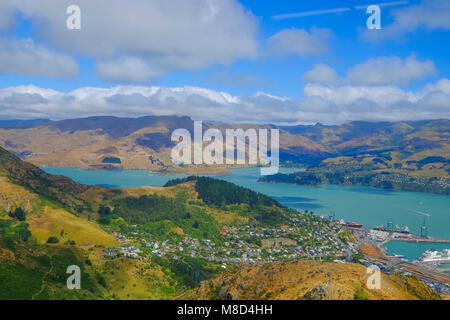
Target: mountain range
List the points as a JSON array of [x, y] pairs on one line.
[[417, 148]]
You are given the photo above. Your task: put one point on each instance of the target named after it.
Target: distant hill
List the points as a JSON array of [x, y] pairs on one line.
[[145, 143], [121, 127], [403, 141], [23, 124]]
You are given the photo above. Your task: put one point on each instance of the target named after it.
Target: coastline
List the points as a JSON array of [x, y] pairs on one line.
[[350, 185]]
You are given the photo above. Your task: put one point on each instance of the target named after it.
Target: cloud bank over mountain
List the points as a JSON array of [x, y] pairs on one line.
[[321, 103]]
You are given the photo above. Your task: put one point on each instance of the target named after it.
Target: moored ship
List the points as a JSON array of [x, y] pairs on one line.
[[404, 230], [380, 228], [436, 256], [397, 229], [354, 225]]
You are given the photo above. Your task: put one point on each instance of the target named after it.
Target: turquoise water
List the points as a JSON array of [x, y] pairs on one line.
[[366, 205], [411, 250], [114, 178], [444, 266]]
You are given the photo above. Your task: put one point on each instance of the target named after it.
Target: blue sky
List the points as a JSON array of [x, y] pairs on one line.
[[240, 48]]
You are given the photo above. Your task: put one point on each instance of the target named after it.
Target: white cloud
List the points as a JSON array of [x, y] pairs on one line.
[[299, 42], [327, 104], [390, 70], [128, 69], [385, 96], [156, 37], [429, 14], [386, 102], [442, 85], [24, 57], [375, 71], [321, 73]]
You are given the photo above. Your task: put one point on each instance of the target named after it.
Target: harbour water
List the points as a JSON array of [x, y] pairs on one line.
[[113, 179], [366, 205]]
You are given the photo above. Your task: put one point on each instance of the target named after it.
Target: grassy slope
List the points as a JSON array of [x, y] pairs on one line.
[[308, 280], [48, 219], [52, 221], [49, 202], [30, 271]]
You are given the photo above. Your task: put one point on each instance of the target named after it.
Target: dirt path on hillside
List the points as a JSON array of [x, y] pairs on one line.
[[43, 280]]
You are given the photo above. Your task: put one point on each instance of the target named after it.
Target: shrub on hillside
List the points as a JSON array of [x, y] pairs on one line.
[[52, 240], [18, 214]]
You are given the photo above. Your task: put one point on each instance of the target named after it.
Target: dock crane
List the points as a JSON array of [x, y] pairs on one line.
[[424, 228]]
